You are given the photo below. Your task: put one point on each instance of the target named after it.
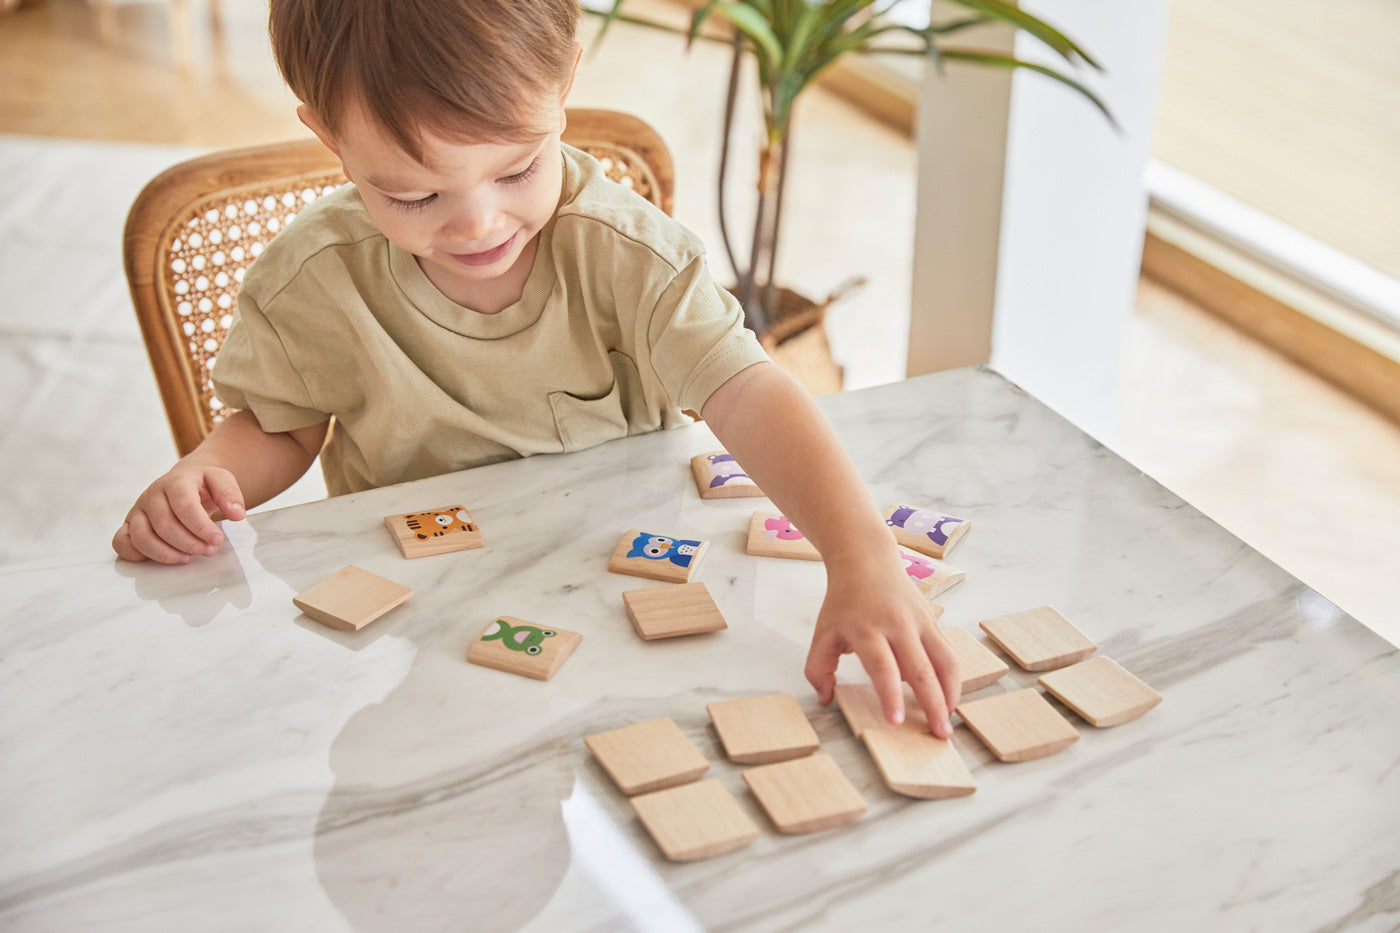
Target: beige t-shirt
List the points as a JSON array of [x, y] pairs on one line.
[[620, 326]]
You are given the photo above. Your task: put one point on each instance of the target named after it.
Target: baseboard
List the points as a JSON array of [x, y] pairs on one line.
[[1357, 355]]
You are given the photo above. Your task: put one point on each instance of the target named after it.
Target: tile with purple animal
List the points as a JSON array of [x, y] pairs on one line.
[[924, 530], [657, 557], [930, 576], [519, 647], [772, 535], [719, 476], [436, 531]]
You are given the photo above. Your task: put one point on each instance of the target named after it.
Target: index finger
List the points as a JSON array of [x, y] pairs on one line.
[[883, 669], [187, 508]]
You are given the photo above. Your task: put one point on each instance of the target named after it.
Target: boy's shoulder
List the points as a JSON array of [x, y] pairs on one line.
[[332, 221], [604, 215]]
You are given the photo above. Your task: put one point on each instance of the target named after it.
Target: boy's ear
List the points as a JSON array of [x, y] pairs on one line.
[[307, 116]]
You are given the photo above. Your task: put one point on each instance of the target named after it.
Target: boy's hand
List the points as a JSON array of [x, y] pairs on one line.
[[171, 521], [879, 614]]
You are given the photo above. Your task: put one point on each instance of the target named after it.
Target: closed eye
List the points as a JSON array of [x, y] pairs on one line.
[[519, 178], [417, 205]]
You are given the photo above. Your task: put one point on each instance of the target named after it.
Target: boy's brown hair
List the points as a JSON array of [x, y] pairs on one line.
[[468, 69]]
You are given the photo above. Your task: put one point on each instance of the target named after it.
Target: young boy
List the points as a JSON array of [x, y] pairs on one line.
[[483, 292]]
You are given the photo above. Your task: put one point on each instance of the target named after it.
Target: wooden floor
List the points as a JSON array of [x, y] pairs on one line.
[[1299, 471]]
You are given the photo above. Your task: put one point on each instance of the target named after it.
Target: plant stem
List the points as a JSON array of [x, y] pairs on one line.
[[729, 105], [770, 297]]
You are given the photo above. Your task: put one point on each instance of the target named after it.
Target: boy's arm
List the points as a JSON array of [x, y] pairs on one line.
[[775, 431], [237, 466]]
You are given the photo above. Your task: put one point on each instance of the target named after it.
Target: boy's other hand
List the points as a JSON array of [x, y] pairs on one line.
[[880, 615], [171, 522]]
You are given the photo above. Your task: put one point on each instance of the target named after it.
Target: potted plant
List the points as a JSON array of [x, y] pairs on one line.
[[792, 42]]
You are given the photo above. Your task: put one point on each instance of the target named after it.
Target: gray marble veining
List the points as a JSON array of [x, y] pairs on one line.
[[182, 750]]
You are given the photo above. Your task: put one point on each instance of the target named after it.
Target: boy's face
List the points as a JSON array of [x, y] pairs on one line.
[[469, 212]]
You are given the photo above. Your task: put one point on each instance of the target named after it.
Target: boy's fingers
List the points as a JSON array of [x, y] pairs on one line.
[[228, 498], [121, 543], [919, 673], [193, 521], [883, 669], [821, 666], [145, 540], [945, 662]]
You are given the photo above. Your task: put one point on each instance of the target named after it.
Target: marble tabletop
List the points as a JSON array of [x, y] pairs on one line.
[[183, 751]]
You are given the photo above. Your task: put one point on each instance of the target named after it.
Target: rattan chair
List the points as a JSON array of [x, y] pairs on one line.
[[198, 225]]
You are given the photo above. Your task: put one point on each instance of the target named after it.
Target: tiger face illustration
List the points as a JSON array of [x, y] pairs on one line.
[[439, 522]]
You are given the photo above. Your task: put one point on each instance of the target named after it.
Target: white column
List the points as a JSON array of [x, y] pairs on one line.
[[1070, 215]]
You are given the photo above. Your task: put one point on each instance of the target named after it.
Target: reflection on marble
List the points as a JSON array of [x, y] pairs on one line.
[[182, 751]]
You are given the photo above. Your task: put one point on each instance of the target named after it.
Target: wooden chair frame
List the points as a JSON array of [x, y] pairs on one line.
[[183, 315]]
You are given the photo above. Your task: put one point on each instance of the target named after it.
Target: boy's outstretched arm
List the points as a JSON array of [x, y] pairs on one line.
[[236, 467], [776, 432]]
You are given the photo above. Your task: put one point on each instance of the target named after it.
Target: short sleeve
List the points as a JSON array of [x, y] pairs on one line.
[[254, 372], [698, 338]]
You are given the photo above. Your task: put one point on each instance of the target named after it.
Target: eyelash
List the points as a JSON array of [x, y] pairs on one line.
[[519, 178]]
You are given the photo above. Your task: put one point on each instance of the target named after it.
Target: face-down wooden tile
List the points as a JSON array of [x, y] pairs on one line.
[[1039, 639], [917, 764], [436, 531], [669, 611], [806, 795], [350, 599], [719, 476], [757, 730], [980, 668], [1018, 726], [925, 530], [695, 821], [772, 535], [647, 756], [1101, 692], [932, 577], [657, 557], [519, 647]]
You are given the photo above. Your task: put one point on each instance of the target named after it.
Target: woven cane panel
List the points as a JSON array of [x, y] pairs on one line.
[[215, 241], [624, 167]]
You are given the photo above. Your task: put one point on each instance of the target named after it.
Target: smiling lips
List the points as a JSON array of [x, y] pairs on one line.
[[485, 259]]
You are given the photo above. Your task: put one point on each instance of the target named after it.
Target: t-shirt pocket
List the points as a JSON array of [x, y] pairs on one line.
[[587, 422]]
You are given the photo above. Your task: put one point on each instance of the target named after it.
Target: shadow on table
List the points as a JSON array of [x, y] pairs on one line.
[[197, 598]]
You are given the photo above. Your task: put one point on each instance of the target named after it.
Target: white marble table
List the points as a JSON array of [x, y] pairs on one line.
[[182, 751]]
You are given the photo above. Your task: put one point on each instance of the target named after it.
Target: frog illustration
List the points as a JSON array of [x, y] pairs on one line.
[[526, 638]]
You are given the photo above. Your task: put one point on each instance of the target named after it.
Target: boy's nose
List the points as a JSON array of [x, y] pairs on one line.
[[472, 228]]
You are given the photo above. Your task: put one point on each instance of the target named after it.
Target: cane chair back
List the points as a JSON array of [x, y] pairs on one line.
[[195, 229]]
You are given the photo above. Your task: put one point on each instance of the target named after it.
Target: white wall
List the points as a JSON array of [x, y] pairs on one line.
[[1070, 215]]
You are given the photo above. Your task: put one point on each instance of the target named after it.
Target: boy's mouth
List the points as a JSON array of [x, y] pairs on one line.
[[495, 254]]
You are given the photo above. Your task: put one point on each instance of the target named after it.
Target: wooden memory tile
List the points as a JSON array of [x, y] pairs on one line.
[[932, 577], [1019, 726], [719, 476], [647, 756], [695, 821], [980, 667], [1101, 692], [1039, 639], [807, 795], [657, 557], [925, 530], [860, 704], [350, 599], [917, 764], [436, 531], [772, 535], [669, 611], [758, 730], [519, 647]]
